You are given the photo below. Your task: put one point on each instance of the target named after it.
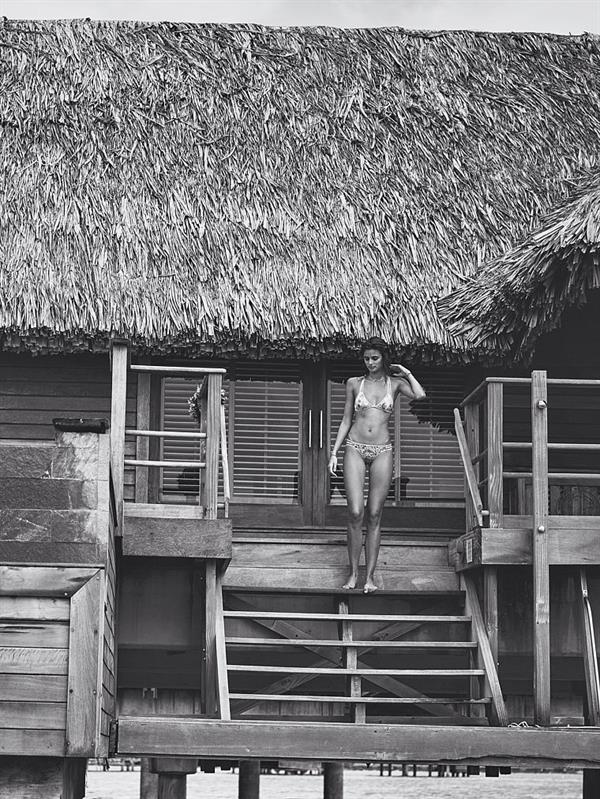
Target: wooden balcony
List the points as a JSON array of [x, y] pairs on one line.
[[170, 530], [530, 452]]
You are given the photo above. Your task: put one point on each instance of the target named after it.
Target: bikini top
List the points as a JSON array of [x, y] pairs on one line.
[[386, 404]]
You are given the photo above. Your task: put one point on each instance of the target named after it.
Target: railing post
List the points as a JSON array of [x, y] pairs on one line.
[[213, 434], [495, 459], [118, 401], [541, 570]]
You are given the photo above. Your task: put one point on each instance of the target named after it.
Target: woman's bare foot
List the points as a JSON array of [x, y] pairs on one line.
[[369, 587], [351, 582]]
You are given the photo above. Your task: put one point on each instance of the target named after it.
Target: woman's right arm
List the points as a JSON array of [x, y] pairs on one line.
[[345, 425]]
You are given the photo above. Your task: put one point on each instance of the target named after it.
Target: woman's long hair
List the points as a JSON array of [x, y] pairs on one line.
[[376, 343]]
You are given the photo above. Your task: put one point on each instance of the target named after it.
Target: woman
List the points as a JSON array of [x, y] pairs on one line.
[[364, 430]]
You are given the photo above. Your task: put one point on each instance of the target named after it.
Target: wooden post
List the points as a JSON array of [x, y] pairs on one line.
[[117, 423], [142, 444], [249, 779], [209, 686], [495, 458], [213, 436], [541, 571], [490, 607], [148, 780], [591, 783], [333, 780], [172, 775], [358, 711]]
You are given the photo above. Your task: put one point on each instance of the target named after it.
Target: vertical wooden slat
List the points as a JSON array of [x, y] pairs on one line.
[[210, 665], [142, 444], [213, 430], [541, 571], [495, 455], [85, 668], [117, 423]]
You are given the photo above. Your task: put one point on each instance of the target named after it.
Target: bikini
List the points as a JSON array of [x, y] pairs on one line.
[[370, 452]]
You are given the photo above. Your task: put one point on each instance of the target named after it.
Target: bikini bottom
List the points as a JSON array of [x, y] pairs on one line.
[[369, 452]]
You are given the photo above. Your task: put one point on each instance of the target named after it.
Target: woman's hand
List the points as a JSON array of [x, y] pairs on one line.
[[399, 370], [332, 466]]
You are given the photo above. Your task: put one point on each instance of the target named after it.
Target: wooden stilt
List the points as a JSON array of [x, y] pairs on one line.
[[333, 781], [591, 783], [148, 781], [249, 779], [172, 775]]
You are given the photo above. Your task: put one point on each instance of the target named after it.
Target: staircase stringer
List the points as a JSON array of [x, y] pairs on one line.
[[485, 654]]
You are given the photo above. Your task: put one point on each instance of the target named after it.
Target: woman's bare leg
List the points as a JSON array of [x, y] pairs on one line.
[[379, 484], [354, 481]]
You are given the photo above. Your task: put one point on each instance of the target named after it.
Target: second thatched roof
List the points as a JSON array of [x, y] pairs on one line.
[[238, 189], [524, 293]]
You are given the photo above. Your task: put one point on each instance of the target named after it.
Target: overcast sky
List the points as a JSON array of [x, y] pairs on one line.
[[556, 16]]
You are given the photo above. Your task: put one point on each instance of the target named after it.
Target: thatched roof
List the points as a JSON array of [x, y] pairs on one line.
[[524, 293], [296, 189]]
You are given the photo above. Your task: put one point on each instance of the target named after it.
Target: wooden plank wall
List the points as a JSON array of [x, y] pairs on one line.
[[34, 650], [33, 391]]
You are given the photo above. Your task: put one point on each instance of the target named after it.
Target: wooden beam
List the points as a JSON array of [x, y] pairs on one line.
[[495, 414], [85, 669], [144, 536], [591, 783], [119, 356], [485, 652], [243, 740], [37, 581], [472, 414], [541, 570]]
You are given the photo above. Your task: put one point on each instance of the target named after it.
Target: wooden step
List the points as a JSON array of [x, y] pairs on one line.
[[381, 617], [358, 700], [359, 644], [259, 668], [345, 592]]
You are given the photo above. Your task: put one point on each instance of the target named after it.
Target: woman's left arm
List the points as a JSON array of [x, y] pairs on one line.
[[409, 385]]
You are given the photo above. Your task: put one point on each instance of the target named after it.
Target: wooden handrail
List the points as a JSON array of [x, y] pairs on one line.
[[561, 446], [582, 476], [468, 468], [590, 656], [176, 464], [164, 434]]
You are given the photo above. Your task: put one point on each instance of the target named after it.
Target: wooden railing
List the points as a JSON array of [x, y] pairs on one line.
[[487, 480], [212, 435]]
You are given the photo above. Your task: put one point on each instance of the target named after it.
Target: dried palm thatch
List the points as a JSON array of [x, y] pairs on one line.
[[236, 189], [524, 293]]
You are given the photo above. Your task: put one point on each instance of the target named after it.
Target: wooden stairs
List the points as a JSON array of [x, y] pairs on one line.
[[341, 656]]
